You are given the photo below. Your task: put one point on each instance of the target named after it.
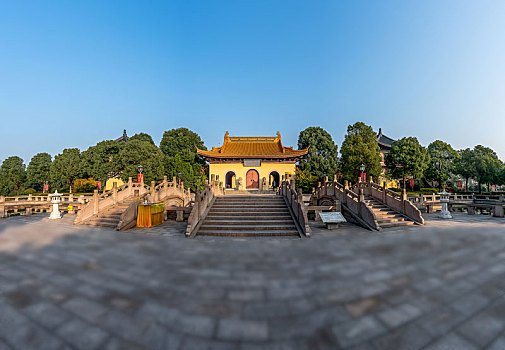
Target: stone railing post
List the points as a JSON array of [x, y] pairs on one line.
[[130, 186], [71, 198], [346, 184], [81, 199], [114, 192], [153, 191], [95, 202], [29, 197], [361, 196], [384, 192]]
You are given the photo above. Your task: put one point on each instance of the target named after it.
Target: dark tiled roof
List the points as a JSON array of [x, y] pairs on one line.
[[384, 140], [123, 138]]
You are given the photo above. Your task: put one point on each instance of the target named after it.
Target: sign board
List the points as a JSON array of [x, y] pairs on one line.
[[334, 217], [252, 162], [70, 208]]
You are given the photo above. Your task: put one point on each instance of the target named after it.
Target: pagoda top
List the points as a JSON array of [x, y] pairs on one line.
[[252, 147]]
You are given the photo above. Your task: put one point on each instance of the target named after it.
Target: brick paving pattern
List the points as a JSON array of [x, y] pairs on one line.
[[441, 286]]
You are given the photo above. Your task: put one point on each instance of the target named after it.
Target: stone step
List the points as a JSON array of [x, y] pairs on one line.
[[388, 220], [249, 210], [265, 233], [249, 222], [245, 206], [111, 215], [102, 219], [100, 223], [386, 216], [273, 227], [396, 224], [248, 217]]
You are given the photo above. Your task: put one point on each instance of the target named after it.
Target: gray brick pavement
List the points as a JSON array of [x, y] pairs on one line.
[[441, 286]]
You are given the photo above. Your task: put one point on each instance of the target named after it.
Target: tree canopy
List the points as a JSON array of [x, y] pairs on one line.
[[137, 152], [407, 158], [487, 166], [323, 152], [66, 168], [102, 161], [183, 142], [142, 136], [442, 162], [38, 171], [12, 176], [464, 165], [360, 147]]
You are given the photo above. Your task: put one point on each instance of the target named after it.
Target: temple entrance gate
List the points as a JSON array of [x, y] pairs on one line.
[[252, 179], [230, 179]]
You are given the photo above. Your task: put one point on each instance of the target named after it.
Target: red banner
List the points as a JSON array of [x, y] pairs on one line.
[[99, 185], [411, 182], [140, 177], [363, 177], [46, 187]]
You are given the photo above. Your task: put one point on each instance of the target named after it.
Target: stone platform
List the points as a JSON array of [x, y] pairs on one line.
[[439, 286]]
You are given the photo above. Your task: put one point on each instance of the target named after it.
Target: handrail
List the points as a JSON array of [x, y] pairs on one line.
[[295, 201], [202, 205]]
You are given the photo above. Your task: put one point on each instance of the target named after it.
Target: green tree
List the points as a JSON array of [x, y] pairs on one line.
[[304, 180], [142, 137], [407, 158], [137, 152], [487, 166], [179, 146], [183, 142], [360, 147], [66, 168], [442, 162], [102, 161], [464, 165], [38, 170], [323, 152], [12, 176]]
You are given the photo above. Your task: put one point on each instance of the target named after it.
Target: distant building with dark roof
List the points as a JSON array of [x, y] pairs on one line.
[[385, 144], [123, 138]]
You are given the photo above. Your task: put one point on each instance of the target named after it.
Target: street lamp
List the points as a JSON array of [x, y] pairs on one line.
[[140, 177], [362, 169], [179, 178]]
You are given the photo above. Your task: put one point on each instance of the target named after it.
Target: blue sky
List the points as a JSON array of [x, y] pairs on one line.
[[75, 73]]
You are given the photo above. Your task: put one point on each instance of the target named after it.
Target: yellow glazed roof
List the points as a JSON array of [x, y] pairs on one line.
[[252, 147]]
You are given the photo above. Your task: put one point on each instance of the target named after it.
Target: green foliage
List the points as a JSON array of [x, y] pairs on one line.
[[407, 158], [102, 161], [193, 175], [360, 147], [85, 185], [29, 191], [12, 176], [464, 165], [323, 152], [38, 171], [304, 180], [179, 146], [143, 137], [442, 162], [488, 167], [183, 142], [137, 152], [65, 169]]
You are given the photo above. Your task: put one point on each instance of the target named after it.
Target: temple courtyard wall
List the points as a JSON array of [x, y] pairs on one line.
[[438, 286]]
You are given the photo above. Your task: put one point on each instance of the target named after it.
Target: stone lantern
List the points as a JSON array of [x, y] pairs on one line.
[[56, 200], [444, 199]]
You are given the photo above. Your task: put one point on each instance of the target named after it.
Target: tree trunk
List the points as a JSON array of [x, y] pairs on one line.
[[480, 187], [466, 184]]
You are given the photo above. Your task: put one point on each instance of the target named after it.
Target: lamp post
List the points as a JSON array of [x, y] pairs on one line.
[[140, 176], [179, 174], [362, 169]]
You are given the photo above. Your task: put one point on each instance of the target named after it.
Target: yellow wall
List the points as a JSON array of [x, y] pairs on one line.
[[240, 170], [108, 184]]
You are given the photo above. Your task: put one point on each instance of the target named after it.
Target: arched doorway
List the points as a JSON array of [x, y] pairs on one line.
[[229, 177], [274, 179], [252, 179]]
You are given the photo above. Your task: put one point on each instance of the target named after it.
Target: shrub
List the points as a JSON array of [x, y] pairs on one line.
[[84, 185], [29, 191]]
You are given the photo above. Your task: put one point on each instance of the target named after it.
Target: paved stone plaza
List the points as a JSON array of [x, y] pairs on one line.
[[441, 286]]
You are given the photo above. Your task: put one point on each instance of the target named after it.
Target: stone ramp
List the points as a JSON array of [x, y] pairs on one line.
[[249, 216]]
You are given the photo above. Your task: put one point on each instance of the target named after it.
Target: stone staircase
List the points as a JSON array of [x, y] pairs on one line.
[[110, 217], [248, 216], [386, 217]]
